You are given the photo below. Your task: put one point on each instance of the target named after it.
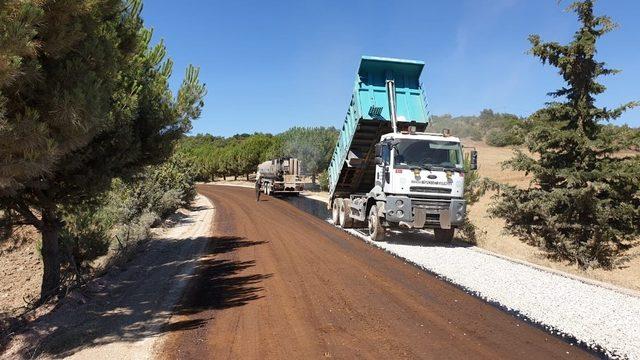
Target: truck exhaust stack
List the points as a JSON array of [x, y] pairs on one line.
[[391, 95]]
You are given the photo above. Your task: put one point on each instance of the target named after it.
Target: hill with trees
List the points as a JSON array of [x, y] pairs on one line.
[[502, 129]]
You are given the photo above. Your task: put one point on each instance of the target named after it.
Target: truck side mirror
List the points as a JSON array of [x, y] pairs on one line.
[[379, 160], [474, 160], [378, 150]]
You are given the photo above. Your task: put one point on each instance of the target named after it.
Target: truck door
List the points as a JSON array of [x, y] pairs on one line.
[[386, 168]]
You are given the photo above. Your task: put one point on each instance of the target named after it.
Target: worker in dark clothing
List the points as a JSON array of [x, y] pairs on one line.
[[257, 188]]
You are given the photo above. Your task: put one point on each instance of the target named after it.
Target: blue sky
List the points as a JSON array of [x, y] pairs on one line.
[[270, 65]]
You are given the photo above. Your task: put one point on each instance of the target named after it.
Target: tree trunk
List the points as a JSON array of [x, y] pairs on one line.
[[224, 177], [235, 177], [51, 226], [313, 178], [247, 177]]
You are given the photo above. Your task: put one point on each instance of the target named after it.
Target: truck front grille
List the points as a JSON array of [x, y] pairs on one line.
[[430, 205], [434, 190]]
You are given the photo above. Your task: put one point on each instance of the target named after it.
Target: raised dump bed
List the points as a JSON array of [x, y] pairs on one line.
[[352, 168]]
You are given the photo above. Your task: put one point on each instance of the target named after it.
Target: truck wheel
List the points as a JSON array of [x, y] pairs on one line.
[[345, 214], [335, 211], [444, 235], [376, 231]]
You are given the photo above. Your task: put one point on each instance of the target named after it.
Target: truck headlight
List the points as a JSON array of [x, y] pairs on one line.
[[399, 203], [399, 213]]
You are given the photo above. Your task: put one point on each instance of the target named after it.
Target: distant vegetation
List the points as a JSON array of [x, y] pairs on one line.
[[218, 157], [502, 129], [496, 129], [584, 205]]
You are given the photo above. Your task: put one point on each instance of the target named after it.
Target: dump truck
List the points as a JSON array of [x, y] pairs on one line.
[[280, 177], [386, 171]]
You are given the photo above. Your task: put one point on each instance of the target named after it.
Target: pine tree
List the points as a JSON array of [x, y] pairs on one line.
[[584, 201], [83, 98]]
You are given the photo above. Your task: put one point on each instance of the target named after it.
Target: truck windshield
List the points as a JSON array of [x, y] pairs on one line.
[[427, 154]]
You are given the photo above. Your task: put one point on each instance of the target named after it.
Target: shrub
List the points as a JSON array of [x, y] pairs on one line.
[[323, 180], [123, 216], [84, 238], [474, 188], [505, 137]]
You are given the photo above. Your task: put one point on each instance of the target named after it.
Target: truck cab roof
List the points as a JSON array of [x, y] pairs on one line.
[[419, 136]]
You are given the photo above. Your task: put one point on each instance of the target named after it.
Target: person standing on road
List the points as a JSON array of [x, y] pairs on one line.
[[257, 187]]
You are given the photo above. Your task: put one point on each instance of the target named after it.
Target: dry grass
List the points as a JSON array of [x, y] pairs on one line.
[[492, 234]]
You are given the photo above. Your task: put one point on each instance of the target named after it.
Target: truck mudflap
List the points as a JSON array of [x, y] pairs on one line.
[[419, 213]]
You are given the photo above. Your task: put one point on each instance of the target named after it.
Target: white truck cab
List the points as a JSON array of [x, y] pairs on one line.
[[419, 183], [421, 165]]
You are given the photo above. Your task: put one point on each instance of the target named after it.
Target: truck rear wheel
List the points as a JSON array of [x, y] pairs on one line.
[[376, 231], [444, 235], [335, 211], [345, 214]]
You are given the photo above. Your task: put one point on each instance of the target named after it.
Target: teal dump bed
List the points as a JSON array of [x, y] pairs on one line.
[[368, 117]]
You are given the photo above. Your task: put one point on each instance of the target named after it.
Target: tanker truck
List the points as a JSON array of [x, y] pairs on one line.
[[280, 177], [386, 171]]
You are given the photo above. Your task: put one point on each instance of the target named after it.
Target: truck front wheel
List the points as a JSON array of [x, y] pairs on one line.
[[444, 235], [345, 214], [335, 211], [376, 231]]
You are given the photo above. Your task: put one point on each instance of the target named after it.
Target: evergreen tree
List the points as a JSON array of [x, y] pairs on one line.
[[83, 98], [584, 202]]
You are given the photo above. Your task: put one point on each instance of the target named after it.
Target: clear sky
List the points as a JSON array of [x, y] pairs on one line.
[[270, 65]]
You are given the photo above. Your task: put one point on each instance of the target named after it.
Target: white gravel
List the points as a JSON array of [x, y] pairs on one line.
[[603, 319]]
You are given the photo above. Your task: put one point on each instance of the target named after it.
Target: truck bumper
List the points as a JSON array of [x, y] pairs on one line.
[[419, 213], [282, 187]]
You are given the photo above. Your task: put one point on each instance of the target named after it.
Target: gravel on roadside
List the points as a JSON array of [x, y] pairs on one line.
[[600, 318]]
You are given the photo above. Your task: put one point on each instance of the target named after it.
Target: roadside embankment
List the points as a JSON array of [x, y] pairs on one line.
[[123, 313]]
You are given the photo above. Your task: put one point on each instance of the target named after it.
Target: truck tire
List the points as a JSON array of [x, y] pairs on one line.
[[345, 220], [444, 235], [335, 211], [376, 231]]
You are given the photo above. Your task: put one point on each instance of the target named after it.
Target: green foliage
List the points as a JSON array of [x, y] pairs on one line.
[[312, 146], [474, 188], [158, 190], [584, 202], [505, 137], [84, 98], [495, 129], [84, 238], [123, 215], [323, 180]]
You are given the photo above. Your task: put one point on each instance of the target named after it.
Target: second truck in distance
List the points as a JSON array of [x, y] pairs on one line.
[[280, 177], [386, 171]]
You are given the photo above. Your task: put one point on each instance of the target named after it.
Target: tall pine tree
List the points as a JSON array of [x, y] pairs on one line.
[[584, 201], [83, 98]]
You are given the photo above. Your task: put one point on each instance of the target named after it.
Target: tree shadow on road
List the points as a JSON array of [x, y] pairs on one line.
[[136, 302]]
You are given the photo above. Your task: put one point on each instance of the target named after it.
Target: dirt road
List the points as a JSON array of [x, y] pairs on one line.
[[280, 283]]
